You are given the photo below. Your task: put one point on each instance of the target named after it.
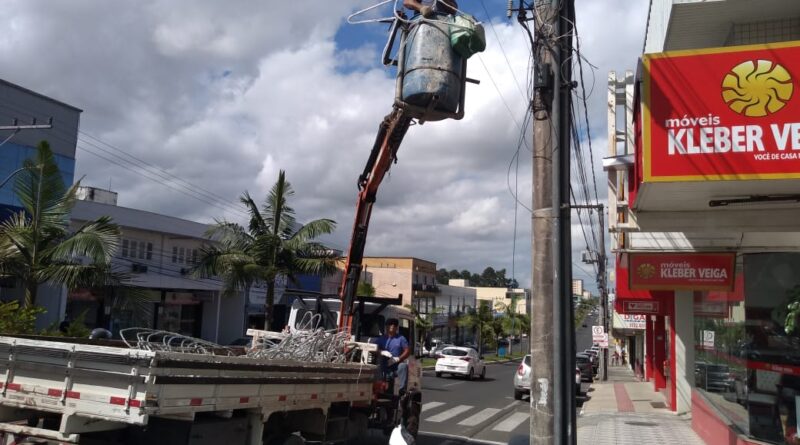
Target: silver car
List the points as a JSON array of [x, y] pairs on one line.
[[522, 378]]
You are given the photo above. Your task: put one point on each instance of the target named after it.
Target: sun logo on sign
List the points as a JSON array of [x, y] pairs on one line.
[[646, 271], [757, 88]]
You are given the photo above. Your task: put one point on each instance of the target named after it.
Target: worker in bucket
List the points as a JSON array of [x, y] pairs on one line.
[[430, 7], [394, 347]]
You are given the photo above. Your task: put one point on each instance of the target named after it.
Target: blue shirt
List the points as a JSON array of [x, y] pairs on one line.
[[395, 344]]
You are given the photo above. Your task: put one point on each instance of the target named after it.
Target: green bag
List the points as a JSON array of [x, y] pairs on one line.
[[467, 36]]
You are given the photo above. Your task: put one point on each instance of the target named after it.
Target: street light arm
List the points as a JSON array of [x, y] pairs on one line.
[[8, 178]]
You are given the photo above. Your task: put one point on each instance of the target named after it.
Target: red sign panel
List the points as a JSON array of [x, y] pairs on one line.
[[722, 114], [682, 271], [643, 307]]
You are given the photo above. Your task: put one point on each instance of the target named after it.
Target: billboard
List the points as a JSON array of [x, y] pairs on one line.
[[682, 271], [716, 114]]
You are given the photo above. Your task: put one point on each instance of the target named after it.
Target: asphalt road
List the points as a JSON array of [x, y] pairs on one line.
[[457, 411]]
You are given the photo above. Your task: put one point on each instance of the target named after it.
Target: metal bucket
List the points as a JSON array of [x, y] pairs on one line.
[[432, 76]]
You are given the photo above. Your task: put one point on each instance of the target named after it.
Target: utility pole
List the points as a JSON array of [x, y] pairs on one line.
[[552, 403], [602, 263]]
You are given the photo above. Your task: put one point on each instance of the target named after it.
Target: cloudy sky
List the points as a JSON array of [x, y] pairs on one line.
[[188, 103]]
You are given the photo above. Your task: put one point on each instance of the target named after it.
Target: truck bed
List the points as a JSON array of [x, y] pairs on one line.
[[125, 385]]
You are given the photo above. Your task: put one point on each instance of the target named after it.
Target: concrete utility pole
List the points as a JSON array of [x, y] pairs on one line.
[[602, 263], [552, 419]]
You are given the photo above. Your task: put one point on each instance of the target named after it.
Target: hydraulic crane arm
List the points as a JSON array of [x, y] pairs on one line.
[[383, 155]]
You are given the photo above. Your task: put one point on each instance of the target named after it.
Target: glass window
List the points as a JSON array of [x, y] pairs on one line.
[[174, 254], [181, 254], [149, 251], [125, 248], [194, 256], [141, 250], [455, 352], [747, 342]]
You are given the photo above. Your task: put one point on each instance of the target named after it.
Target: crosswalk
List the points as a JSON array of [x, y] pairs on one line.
[[470, 416]]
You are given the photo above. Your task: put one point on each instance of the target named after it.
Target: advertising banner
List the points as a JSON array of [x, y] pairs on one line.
[[633, 322], [641, 307], [682, 271], [728, 113]]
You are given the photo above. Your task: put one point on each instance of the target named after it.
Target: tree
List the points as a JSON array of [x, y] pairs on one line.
[[582, 310], [479, 320], [423, 322], [272, 245], [489, 276], [365, 289], [36, 245], [511, 318], [454, 274], [465, 274], [442, 276]]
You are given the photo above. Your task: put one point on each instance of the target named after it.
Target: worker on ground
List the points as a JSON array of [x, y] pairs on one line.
[[395, 347], [429, 7]]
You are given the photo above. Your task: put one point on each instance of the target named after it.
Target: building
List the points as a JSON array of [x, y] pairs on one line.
[[704, 175], [414, 280], [498, 297], [23, 107], [158, 252], [577, 287]]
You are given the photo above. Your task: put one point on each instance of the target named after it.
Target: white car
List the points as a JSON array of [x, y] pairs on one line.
[[457, 360], [522, 378]]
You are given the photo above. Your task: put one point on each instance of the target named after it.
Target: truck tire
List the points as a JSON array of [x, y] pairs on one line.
[[517, 395], [414, 412], [438, 374], [289, 439]]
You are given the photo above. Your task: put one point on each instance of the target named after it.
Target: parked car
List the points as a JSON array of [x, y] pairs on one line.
[[522, 378], [594, 358], [428, 350], [713, 377], [583, 363], [458, 360]]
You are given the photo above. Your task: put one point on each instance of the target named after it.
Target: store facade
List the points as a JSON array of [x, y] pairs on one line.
[[705, 187]]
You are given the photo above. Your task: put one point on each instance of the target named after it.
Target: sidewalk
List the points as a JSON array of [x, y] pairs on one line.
[[624, 411]]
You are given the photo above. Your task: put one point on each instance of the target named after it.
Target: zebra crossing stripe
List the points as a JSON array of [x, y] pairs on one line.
[[481, 416], [431, 405], [511, 422], [450, 413]]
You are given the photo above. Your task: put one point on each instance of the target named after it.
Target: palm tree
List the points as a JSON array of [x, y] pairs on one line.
[[511, 318], [479, 319], [423, 322], [36, 245], [272, 245]]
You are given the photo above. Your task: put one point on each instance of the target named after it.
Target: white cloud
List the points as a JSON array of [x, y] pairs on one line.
[[226, 96]]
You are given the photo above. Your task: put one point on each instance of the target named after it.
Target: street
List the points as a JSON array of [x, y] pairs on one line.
[[457, 411]]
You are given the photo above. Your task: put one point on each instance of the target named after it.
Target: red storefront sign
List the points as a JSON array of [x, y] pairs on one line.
[[642, 307], [682, 271], [722, 114]]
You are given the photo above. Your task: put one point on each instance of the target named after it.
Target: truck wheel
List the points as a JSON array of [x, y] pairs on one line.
[[289, 439], [517, 395], [438, 374]]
